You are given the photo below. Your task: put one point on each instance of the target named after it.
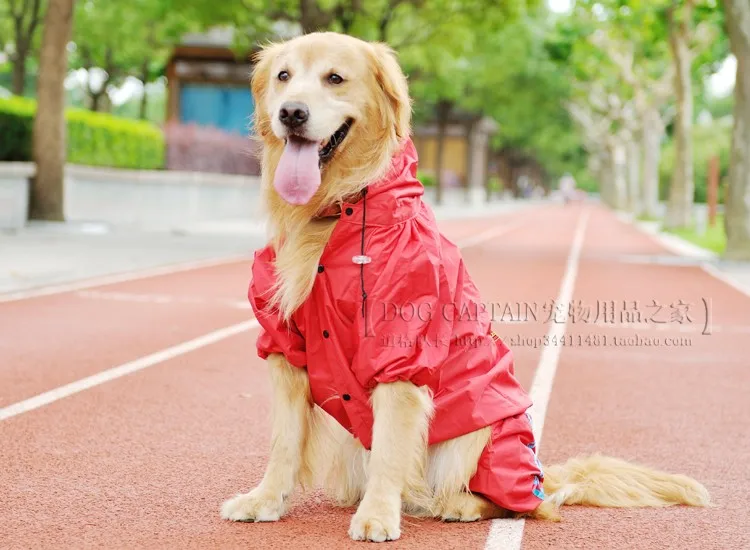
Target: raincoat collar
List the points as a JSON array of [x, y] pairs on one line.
[[394, 198]]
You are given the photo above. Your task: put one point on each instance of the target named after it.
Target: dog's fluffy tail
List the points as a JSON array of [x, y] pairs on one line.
[[613, 483]]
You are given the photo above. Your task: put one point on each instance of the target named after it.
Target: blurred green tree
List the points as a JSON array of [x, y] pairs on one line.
[[648, 57], [114, 40], [440, 43], [737, 218], [22, 19]]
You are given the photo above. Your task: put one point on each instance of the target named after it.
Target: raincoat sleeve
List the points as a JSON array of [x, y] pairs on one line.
[[403, 333], [276, 335]]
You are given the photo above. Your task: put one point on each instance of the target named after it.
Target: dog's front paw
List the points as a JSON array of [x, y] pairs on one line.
[[257, 505], [376, 521]]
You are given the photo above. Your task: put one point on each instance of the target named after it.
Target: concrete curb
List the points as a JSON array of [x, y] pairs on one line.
[[734, 274], [671, 242]]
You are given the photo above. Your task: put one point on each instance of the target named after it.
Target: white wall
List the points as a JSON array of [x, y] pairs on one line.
[[14, 193], [158, 200], [146, 199]]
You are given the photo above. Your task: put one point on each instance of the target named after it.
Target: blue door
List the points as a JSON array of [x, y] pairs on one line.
[[223, 107]]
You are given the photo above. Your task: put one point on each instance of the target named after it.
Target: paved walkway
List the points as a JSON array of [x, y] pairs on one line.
[[51, 253], [130, 411]]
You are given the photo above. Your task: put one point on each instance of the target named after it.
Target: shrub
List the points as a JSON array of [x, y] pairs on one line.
[[16, 123], [427, 180], [95, 139], [707, 142], [201, 149], [99, 139], [495, 184], [586, 182]]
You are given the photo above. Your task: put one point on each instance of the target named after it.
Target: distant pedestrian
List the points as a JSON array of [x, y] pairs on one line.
[[567, 187]]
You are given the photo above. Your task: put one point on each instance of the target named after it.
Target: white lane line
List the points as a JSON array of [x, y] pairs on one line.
[[160, 356], [507, 534], [122, 370], [120, 278]]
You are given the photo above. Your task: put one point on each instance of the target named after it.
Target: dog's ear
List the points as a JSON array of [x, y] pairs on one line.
[[259, 82], [393, 83]]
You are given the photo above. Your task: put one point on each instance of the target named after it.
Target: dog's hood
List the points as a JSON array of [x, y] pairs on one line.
[[395, 197]]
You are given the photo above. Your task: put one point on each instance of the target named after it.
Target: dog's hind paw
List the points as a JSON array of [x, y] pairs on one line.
[[257, 505], [376, 523]]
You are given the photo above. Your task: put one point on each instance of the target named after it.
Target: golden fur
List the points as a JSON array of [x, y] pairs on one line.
[[376, 92], [308, 446]]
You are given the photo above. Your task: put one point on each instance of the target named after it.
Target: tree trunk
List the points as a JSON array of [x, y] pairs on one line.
[[383, 28], [653, 131], [96, 100], [635, 201], [18, 84], [597, 164], [312, 17], [49, 124], [617, 172], [737, 218], [144, 97], [607, 180], [612, 175], [487, 180], [25, 23], [682, 187], [443, 112], [142, 112]]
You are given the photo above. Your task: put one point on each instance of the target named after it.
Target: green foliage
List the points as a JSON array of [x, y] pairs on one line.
[[156, 107], [6, 77], [714, 238], [617, 53], [495, 184], [131, 38], [708, 141], [481, 56], [16, 123], [718, 107], [93, 138], [20, 35], [426, 179], [585, 182], [104, 140], [516, 81]]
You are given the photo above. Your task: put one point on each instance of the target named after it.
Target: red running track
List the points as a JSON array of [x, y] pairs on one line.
[[145, 460]]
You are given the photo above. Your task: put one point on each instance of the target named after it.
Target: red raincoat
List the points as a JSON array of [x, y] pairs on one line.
[[421, 321]]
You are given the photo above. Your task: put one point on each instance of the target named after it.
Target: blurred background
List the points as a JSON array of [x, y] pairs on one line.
[[630, 101]]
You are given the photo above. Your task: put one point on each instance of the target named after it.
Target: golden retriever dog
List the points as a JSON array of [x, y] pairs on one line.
[[391, 429]]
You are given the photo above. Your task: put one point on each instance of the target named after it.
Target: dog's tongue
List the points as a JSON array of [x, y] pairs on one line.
[[298, 174]]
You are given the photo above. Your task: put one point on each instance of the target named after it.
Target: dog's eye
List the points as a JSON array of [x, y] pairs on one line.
[[283, 76], [333, 78]]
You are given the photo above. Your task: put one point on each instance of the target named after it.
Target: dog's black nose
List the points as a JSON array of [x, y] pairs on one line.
[[293, 114]]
